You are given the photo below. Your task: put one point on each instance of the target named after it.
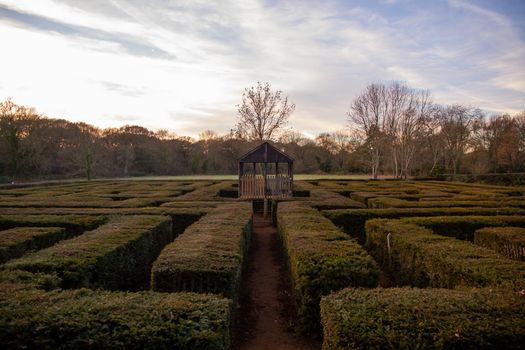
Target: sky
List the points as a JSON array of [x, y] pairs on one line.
[[183, 65]]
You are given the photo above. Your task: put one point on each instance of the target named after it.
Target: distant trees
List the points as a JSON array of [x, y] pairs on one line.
[[411, 135], [16, 125], [262, 112], [457, 124], [392, 118]]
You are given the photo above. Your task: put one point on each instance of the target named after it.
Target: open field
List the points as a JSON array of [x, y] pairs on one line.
[[158, 263]]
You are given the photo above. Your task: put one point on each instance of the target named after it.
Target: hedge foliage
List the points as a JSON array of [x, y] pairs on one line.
[[74, 224], [385, 202], [322, 259], [353, 220], [324, 199], [407, 318], [117, 255], [208, 256], [16, 241], [463, 227], [415, 256], [508, 241], [87, 319]]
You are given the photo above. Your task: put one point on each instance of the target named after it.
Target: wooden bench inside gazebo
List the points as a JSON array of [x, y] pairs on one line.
[[265, 173]]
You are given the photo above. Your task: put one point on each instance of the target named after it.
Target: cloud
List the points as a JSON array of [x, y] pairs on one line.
[[183, 65]]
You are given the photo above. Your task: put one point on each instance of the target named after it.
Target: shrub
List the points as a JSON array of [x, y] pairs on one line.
[[463, 227], [322, 198], [16, 241], [508, 241], [406, 318], [415, 256], [87, 319], [74, 224], [18, 280], [116, 255], [384, 202], [353, 220], [208, 256], [322, 259]]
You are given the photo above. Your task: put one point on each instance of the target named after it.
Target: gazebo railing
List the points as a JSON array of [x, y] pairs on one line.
[[277, 186]]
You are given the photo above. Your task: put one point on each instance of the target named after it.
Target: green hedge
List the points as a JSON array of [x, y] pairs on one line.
[[117, 255], [353, 220], [19, 280], [406, 318], [87, 319], [324, 199], [74, 224], [415, 256], [463, 227], [322, 259], [208, 256], [508, 241], [16, 241], [384, 202]]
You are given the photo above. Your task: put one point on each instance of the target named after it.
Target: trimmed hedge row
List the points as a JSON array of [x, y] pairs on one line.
[[16, 241], [87, 319], [207, 192], [384, 202], [324, 199], [508, 241], [353, 220], [322, 259], [208, 256], [415, 256], [20, 280], [74, 224], [463, 227], [116, 255], [407, 318]]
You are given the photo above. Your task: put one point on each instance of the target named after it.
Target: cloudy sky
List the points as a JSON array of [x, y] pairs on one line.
[[183, 65]]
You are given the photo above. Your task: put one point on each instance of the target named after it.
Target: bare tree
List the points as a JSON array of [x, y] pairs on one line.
[[409, 129], [392, 117], [262, 112], [457, 124], [16, 124], [367, 114]]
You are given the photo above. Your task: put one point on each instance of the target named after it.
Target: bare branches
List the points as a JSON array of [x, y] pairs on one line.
[[263, 112]]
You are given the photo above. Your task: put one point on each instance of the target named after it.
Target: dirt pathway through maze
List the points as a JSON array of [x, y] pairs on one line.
[[264, 319]]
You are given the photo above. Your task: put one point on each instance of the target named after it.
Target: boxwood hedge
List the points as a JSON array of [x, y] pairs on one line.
[[74, 224], [16, 241], [87, 319], [407, 318], [208, 256], [463, 227], [322, 259], [508, 241], [353, 220], [415, 256], [116, 255]]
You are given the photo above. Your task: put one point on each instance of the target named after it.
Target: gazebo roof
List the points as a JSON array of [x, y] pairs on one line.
[[265, 153]]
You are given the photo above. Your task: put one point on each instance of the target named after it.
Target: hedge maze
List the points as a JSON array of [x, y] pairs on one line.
[[80, 264], [158, 264], [451, 260]]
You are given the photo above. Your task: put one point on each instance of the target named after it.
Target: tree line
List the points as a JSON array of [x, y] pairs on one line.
[[391, 130]]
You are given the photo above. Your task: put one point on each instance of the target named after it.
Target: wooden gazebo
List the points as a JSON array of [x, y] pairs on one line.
[[264, 179]]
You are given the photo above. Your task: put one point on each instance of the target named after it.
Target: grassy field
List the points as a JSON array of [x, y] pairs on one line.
[[155, 262]]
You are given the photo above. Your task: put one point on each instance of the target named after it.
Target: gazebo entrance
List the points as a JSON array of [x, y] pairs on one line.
[[265, 173]]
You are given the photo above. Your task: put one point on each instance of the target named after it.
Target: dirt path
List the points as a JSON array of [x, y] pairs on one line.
[[264, 319]]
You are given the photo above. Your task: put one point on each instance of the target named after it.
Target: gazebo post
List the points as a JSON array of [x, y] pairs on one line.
[[241, 173], [277, 182], [265, 189]]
